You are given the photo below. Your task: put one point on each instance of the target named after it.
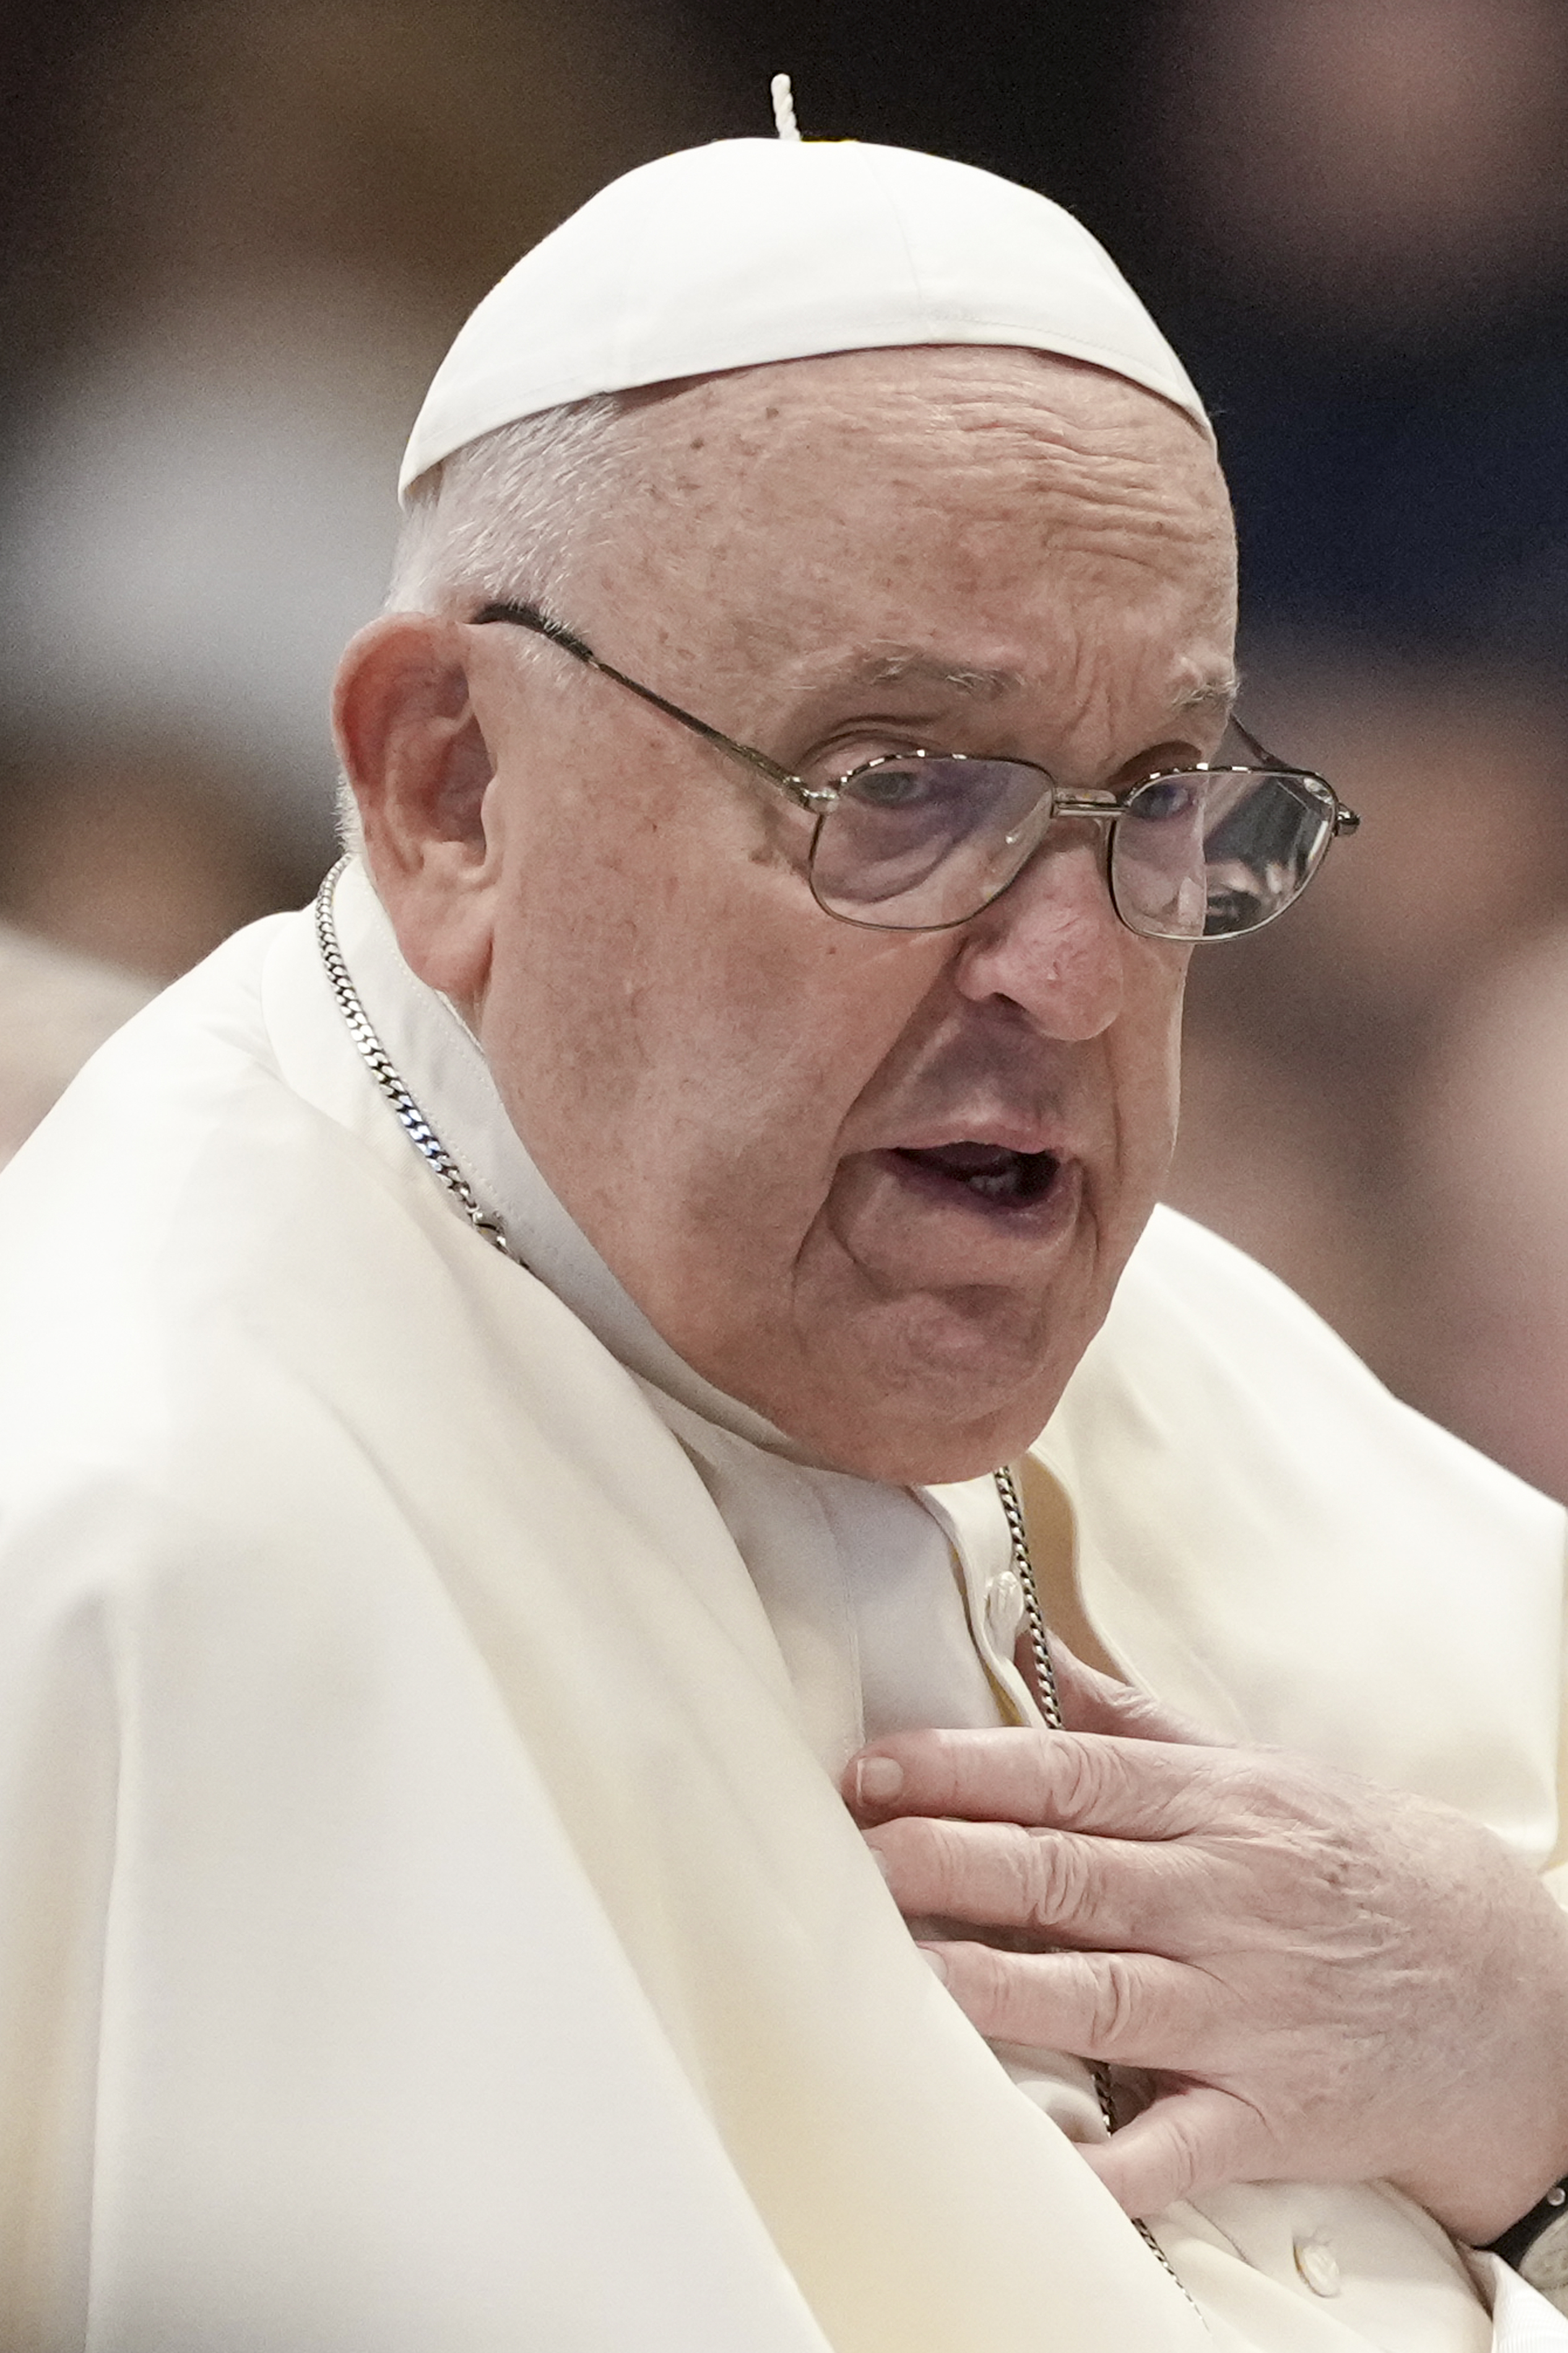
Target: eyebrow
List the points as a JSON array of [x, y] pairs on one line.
[[908, 669], [1212, 694], [899, 668]]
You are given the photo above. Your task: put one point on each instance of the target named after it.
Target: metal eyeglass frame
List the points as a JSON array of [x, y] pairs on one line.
[[819, 800]]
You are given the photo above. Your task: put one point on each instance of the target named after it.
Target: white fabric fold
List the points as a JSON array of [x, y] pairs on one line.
[[426, 1918]]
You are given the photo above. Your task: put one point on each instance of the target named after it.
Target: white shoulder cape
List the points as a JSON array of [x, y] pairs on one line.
[[422, 1921]]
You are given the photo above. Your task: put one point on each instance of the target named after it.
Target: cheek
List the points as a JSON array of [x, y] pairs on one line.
[[678, 1028], [757, 1046], [1146, 1058]]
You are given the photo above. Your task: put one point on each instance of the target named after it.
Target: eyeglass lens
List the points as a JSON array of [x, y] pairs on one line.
[[916, 844]]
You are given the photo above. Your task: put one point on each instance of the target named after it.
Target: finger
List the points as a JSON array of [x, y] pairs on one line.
[[1093, 1702], [1117, 1894], [1130, 2009], [1086, 1781], [1190, 2140]]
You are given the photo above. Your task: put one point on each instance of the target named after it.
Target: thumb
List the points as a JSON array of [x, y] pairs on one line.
[[1185, 2142], [1091, 1701]]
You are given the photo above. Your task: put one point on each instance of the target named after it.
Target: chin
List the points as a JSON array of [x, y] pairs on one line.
[[918, 1453], [923, 1417]]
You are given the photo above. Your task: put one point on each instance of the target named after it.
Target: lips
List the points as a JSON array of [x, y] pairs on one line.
[[994, 1174]]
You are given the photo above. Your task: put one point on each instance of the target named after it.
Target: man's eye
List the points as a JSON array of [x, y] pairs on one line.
[[1167, 797], [900, 784]]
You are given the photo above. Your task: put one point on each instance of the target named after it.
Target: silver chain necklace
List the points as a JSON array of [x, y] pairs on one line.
[[1023, 1569], [385, 1073], [429, 1145]]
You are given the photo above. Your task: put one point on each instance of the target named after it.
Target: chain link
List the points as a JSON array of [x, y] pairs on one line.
[[1024, 1568], [1050, 1709], [385, 1071]]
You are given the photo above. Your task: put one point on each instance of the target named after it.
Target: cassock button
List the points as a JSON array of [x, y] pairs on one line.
[[1003, 1610], [1318, 2267]]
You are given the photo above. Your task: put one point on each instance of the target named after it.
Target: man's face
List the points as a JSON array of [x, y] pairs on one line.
[[878, 1185]]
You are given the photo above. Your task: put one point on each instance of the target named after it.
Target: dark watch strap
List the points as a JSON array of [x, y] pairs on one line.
[[1517, 2240]]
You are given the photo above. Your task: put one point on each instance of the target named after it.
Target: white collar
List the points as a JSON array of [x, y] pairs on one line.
[[446, 1071]]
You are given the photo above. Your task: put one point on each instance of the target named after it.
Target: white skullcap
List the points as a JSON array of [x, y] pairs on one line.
[[757, 249]]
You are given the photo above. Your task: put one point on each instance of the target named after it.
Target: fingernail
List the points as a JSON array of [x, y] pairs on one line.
[[878, 1778], [880, 1859], [934, 1961]]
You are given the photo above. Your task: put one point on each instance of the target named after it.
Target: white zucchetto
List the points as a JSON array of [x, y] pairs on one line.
[[759, 249]]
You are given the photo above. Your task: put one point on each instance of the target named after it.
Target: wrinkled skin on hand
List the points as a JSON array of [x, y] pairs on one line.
[[1328, 1980]]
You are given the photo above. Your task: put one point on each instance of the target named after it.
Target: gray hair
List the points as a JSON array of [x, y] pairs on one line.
[[501, 522]]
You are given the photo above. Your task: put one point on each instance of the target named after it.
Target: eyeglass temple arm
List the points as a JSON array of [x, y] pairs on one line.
[[529, 616], [1345, 819]]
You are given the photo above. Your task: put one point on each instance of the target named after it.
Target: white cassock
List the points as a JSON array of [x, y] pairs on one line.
[[427, 1919]]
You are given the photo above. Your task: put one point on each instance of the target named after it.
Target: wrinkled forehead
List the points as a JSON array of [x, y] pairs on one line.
[[873, 397], [1012, 452], [979, 537]]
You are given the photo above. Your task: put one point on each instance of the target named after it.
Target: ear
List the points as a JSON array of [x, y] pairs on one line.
[[414, 756]]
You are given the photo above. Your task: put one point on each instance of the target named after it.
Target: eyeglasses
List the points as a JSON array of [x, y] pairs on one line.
[[918, 841]]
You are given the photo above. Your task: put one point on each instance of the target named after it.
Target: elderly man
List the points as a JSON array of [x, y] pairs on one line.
[[507, 1383]]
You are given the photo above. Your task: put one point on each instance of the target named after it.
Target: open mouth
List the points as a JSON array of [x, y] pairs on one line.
[[988, 1172]]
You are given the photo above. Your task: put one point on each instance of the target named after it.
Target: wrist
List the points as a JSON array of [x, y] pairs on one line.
[[1536, 2246], [1496, 2181]]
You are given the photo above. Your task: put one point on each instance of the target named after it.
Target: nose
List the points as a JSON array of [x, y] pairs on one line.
[[1051, 944]]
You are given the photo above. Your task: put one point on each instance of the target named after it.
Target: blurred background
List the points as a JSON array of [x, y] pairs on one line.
[[238, 238]]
